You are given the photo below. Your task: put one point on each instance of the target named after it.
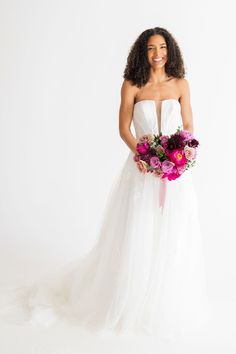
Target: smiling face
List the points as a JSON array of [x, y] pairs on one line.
[[157, 51]]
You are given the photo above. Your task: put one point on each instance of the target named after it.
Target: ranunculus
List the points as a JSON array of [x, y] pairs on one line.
[[155, 162], [193, 143], [178, 157], [175, 142], [190, 152], [142, 148], [167, 166]]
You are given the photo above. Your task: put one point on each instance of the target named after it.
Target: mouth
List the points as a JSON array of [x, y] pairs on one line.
[[158, 60]]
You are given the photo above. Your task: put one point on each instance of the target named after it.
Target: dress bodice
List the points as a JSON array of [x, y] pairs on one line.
[[151, 118]]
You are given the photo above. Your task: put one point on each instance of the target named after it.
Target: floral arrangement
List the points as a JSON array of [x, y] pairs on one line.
[[166, 156]]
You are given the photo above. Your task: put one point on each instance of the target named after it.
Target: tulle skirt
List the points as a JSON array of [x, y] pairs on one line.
[[146, 272]]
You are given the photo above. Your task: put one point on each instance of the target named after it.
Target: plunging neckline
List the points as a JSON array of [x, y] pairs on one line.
[[168, 99], [158, 119]]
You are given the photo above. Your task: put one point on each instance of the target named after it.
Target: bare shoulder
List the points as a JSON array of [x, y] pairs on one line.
[[184, 88], [128, 92]]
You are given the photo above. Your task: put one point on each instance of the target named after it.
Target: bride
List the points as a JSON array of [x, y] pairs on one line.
[[146, 272]]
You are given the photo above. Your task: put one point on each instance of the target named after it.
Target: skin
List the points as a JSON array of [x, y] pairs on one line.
[[159, 87]]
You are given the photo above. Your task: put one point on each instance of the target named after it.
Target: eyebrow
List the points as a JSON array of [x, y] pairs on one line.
[[149, 45]]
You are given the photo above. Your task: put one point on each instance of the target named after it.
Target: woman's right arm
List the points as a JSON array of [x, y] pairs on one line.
[[125, 114]]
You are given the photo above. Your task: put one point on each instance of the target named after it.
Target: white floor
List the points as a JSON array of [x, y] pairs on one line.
[[62, 338]]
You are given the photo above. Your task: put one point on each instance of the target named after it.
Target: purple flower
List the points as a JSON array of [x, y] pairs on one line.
[[186, 135], [175, 142], [164, 140], [155, 162], [167, 166], [193, 143]]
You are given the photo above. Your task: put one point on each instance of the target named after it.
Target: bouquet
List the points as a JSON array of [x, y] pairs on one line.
[[166, 156]]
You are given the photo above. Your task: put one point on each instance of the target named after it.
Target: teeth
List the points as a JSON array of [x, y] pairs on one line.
[[158, 59]]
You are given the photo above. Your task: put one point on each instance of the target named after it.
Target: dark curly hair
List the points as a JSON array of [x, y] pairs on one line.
[[137, 69]]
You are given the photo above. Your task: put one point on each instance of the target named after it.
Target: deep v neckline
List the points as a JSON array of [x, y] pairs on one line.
[[158, 109], [158, 114]]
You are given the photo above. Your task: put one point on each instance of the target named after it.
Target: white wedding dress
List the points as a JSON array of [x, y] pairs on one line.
[[146, 272]]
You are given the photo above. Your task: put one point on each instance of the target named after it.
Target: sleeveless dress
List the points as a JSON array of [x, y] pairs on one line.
[[146, 271]]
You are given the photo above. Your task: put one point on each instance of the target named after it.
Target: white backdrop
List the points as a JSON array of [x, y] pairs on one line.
[[61, 71]]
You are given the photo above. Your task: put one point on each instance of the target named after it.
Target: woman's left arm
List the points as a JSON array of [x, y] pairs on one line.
[[186, 109]]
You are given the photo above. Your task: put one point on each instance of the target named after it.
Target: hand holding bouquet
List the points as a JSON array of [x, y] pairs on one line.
[[166, 156]]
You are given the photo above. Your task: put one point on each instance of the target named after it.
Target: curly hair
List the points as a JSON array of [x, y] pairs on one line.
[[137, 69]]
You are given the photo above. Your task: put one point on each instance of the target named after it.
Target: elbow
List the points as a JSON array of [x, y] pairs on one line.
[[122, 132]]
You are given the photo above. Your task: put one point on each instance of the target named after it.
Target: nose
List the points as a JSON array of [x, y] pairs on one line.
[[158, 53]]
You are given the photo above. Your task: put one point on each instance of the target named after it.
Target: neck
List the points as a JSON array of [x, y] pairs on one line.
[[157, 76]]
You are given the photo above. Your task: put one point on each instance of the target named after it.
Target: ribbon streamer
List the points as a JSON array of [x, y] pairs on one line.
[[162, 194]]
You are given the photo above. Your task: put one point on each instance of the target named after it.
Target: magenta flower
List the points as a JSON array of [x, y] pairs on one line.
[[142, 148], [178, 157], [172, 175], [155, 162]]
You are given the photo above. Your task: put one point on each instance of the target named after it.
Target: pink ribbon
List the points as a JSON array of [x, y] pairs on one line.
[[162, 194]]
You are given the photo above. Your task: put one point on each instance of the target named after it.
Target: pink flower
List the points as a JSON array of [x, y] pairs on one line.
[[142, 165], [186, 135], [142, 148], [178, 157], [181, 169], [164, 140], [136, 158], [147, 138], [173, 175], [167, 166], [190, 152], [155, 162]]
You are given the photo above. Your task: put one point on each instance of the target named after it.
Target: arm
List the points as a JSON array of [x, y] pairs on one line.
[[126, 113], [186, 109]]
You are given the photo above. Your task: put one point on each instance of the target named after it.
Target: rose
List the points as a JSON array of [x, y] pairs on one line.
[[167, 166], [190, 153], [142, 148], [155, 162], [178, 157]]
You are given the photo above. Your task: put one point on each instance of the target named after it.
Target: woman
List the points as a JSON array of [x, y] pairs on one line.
[[145, 273]]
